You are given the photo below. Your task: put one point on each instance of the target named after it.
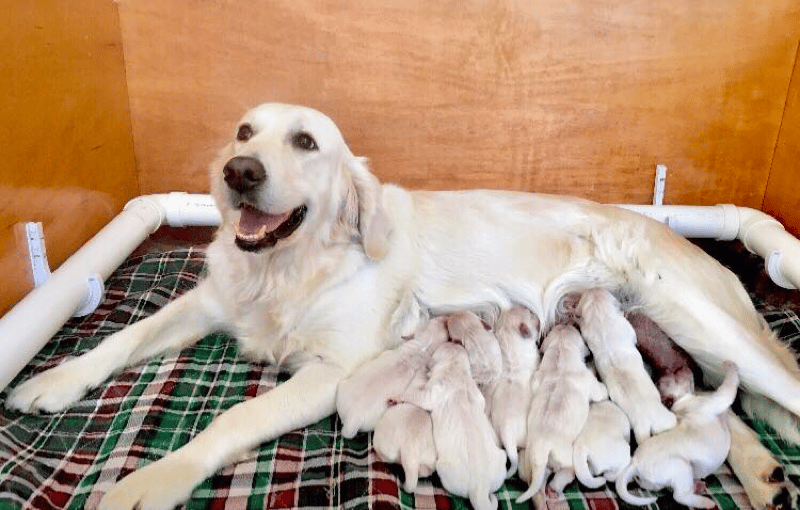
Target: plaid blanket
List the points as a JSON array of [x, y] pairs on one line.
[[68, 460]]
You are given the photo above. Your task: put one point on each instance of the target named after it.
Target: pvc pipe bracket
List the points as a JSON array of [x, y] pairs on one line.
[[94, 295], [773, 265]]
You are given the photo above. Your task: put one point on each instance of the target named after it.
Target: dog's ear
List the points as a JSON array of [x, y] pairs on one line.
[[370, 218]]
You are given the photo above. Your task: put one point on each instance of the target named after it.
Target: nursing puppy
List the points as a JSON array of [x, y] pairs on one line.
[[612, 340], [404, 435], [694, 449], [314, 255], [485, 358], [362, 397], [469, 461], [602, 449], [672, 368], [562, 388], [517, 332]]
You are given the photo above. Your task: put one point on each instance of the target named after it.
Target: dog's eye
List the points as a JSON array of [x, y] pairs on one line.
[[245, 132], [303, 140]]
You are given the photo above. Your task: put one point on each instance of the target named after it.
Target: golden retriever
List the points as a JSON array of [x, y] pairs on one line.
[[314, 256]]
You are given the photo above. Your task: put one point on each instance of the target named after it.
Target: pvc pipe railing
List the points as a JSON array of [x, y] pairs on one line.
[[25, 329]]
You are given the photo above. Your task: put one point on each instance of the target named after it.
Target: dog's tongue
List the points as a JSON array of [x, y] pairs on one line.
[[254, 224]]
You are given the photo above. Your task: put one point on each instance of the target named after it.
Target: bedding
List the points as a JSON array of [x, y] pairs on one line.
[[69, 459]]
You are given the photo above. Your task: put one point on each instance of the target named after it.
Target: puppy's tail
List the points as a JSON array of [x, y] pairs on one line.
[[538, 463], [622, 487], [510, 446], [411, 470], [580, 461], [482, 499]]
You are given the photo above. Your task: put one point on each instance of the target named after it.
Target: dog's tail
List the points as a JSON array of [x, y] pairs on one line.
[[580, 462], [539, 455], [481, 499], [510, 446], [622, 487], [411, 470]]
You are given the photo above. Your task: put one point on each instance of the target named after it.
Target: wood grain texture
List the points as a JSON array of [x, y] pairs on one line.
[[64, 129], [782, 198], [582, 97]]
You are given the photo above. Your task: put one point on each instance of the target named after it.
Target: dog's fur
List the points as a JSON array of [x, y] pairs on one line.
[[404, 434], [322, 300], [602, 449], [612, 340], [517, 332], [562, 387], [469, 461], [485, 358], [694, 449], [361, 397]]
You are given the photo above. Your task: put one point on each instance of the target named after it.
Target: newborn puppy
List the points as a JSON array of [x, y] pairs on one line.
[[404, 435], [602, 449], [562, 389], [517, 331], [362, 397], [469, 461], [673, 369], [695, 448], [613, 342], [485, 358]]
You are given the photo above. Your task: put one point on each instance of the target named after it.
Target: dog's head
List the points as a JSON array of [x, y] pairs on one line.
[[288, 175]]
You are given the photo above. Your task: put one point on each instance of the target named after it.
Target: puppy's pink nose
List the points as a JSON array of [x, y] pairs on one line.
[[244, 173]]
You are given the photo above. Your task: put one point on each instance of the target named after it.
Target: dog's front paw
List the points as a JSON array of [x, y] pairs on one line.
[[51, 391], [159, 486]]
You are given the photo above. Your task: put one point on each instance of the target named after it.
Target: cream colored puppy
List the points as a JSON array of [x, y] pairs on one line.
[[469, 461], [602, 449], [694, 449], [517, 332], [612, 340], [562, 389], [362, 397], [404, 435], [485, 358]]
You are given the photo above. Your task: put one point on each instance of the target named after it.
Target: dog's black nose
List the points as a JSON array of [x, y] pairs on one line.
[[244, 173]]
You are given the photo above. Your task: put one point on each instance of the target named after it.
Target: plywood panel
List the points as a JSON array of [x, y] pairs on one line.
[[782, 198], [581, 96], [64, 128]]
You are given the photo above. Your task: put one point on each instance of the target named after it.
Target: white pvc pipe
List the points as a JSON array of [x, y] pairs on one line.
[[36, 318], [26, 328]]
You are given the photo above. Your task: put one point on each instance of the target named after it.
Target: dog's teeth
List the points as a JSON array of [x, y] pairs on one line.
[[250, 237]]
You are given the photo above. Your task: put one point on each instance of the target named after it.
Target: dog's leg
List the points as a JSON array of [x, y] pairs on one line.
[[761, 475], [308, 396], [178, 324]]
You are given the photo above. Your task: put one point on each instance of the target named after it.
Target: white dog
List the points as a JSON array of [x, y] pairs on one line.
[[362, 397], [612, 340], [694, 449], [602, 449], [314, 256], [404, 434], [485, 358], [517, 332], [562, 388], [469, 461]]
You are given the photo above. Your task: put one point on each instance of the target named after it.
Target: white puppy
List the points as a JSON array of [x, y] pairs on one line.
[[602, 449], [362, 397], [404, 434], [695, 448], [469, 461], [485, 358], [612, 340], [562, 389], [517, 331]]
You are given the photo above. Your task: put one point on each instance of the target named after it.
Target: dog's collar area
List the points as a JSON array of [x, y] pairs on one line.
[[270, 239]]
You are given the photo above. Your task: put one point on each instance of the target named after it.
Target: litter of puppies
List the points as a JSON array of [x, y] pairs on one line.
[[477, 404]]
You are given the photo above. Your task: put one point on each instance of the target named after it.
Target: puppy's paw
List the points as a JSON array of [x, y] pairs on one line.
[[51, 391], [159, 486]]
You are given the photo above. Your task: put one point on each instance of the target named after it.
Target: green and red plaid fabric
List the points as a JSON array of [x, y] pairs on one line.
[[69, 459]]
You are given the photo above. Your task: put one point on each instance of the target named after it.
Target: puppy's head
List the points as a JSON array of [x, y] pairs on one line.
[[288, 175]]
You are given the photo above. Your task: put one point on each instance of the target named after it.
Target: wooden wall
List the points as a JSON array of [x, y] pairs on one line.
[[578, 96], [782, 199], [65, 131]]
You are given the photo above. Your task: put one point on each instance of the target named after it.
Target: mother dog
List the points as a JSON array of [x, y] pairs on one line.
[[315, 259]]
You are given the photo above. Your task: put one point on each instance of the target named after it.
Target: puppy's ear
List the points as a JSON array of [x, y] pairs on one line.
[[372, 221]]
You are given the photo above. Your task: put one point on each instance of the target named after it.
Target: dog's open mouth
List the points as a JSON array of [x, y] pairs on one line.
[[257, 230]]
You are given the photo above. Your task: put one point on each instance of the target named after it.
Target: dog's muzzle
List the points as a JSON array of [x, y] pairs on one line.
[[258, 230]]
